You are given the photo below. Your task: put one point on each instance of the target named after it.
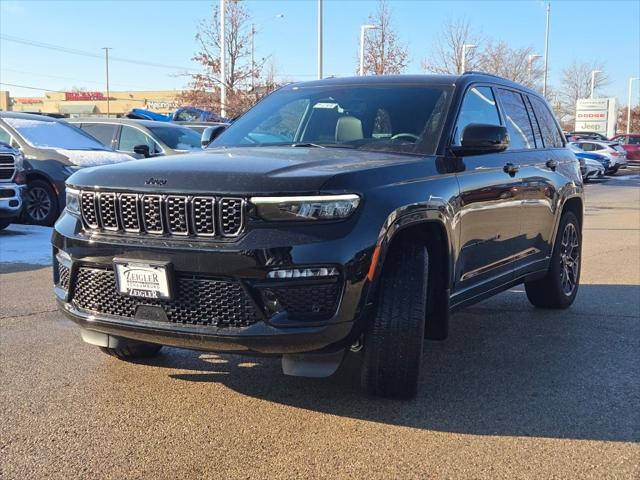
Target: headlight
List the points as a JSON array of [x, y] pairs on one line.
[[73, 201], [316, 207]]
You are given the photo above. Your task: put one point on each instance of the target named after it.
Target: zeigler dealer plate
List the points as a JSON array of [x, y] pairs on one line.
[[143, 280]]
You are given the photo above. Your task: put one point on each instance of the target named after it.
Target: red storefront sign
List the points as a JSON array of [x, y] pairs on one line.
[[80, 96]]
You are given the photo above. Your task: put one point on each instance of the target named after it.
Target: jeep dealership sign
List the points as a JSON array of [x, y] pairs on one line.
[[597, 115]]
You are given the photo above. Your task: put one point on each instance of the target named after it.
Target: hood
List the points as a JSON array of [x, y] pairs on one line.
[[238, 170], [92, 158]]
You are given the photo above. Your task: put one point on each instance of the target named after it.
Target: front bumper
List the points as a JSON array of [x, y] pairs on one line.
[[278, 330], [10, 200]]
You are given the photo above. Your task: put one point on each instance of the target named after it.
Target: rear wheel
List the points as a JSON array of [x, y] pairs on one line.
[[558, 288], [40, 203], [133, 350], [394, 339]]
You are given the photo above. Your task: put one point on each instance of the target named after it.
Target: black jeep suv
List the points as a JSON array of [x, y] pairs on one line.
[[335, 215]]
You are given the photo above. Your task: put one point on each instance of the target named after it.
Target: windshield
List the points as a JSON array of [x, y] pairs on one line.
[[47, 134], [177, 138], [390, 118]]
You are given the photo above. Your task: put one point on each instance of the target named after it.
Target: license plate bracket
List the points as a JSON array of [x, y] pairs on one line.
[[144, 278]]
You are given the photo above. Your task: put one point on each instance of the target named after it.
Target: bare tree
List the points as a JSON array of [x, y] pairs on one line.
[[384, 54], [204, 86], [447, 54], [635, 119], [516, 64], [576, 83]]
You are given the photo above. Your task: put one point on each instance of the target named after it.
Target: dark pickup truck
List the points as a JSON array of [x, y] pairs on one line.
[[341, 216]]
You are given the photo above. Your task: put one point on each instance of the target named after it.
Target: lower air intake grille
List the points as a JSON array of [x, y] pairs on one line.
[[198, 301], [309, 302]]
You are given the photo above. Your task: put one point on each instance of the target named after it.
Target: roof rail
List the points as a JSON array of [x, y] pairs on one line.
[[477, 72]]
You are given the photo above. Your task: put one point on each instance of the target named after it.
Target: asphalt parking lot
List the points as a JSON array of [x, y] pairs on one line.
[[514, 392]]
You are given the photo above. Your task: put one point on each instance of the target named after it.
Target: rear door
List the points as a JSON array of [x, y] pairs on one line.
[[105, 133]]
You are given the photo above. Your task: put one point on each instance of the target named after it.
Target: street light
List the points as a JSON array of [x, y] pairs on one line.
[[319, 28], [465, 47], [253, 46], [593, 81], [106, 61], [223, 54], [532, 57], [629, 104], [363, 29]]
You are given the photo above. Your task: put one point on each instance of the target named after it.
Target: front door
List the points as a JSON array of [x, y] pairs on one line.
[[490, 205]]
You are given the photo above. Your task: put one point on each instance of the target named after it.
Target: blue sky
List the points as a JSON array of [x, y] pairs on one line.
[[163, 32]]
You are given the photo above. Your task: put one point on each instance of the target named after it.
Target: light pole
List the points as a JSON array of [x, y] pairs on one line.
[[593, 81], [106, 61], [223, 54], [463, 63], [253, 49], [546, 52], [363, 29], [629, 104], [319, 39], [532, 57]]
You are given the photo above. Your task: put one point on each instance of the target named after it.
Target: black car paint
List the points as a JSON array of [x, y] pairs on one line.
[[499, 227]]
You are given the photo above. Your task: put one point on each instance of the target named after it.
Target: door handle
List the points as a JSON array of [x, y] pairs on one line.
[[511, 169], [552, 164]]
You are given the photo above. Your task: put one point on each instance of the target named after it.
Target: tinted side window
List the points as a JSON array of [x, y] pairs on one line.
[[550, 134], [517, 120], [101, 132], [478, 106], [535, 123], [131, 137]]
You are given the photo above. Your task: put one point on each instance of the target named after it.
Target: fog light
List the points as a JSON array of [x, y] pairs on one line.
[[304, 273]]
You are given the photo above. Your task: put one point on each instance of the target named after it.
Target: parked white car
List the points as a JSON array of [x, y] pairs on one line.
[[612, 150], [594, 169]]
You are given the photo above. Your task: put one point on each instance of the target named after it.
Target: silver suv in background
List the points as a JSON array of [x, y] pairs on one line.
[[140, 138]]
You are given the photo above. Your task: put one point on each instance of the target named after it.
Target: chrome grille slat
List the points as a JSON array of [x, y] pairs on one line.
[[88, 209], [230, 213], [7, 167], [168, 215], [129, 212], [152, 213], [177, 214], [108, 209], [204, 218]]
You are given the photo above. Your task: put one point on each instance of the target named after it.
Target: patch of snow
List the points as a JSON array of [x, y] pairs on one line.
[[28, 244], [92, 158]]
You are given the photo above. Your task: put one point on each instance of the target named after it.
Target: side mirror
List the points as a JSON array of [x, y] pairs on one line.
[[142, 150], [210, 134], [479, 139]]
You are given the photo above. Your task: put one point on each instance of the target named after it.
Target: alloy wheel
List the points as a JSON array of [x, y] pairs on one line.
[[569, 259], [38, 203]]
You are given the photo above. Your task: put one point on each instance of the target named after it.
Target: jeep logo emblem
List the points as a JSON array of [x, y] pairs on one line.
[[156, 181]]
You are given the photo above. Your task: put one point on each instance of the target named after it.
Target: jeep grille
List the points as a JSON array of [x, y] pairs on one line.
[[175, 215]]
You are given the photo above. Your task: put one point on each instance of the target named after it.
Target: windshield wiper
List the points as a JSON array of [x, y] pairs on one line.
[[327, 145], [310, 145]]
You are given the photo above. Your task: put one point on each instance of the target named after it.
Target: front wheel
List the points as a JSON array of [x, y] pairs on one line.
[[393, 340], [4, 223], [558, 288], [40, 203]]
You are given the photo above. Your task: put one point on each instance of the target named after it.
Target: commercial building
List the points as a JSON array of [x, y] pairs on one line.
[[83, 103]]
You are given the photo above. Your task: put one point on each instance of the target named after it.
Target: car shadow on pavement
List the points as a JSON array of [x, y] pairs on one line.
[[506, 369]]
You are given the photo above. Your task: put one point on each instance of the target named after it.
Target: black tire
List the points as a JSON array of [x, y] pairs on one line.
[[40, 203], [4, 223], [133, 350], [613, 171], [395, 336], [559, 287]]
